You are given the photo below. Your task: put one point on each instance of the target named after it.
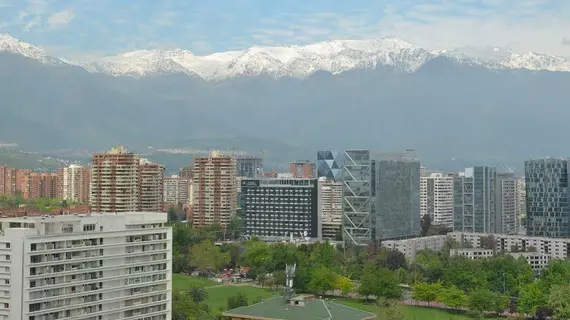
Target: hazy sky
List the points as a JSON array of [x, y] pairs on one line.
[[102, 27]]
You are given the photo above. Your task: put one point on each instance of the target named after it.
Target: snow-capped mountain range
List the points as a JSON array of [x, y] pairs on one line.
[[334, 56]]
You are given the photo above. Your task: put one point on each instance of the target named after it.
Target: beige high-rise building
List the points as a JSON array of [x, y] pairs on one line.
[[214, 191], [329, 206], [115, 181], [176, 190], [73, 182], [436, 198], [7, 181], [151, 184]]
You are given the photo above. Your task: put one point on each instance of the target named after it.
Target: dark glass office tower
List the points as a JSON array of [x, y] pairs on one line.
[[474, 200], [548, 210], [381, 195]]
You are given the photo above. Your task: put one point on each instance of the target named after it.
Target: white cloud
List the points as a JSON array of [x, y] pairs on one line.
[[61, 18], [29, 25], [526, 25]]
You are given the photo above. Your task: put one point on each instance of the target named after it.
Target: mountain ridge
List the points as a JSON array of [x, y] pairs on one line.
[[296, 61]]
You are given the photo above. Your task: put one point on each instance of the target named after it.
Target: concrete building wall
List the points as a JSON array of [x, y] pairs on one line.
[[88, 267]]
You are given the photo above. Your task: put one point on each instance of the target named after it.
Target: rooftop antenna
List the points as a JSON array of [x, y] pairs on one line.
[[290, 275]]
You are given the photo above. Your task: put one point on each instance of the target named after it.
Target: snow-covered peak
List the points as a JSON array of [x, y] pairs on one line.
[[13, 45], [334, 56], [536, 61]]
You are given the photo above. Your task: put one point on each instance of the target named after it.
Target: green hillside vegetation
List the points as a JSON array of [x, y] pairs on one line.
[[25, 160]]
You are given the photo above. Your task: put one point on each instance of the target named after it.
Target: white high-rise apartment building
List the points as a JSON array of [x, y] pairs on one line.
[[86, 267], [74, 181], [329, 206], [176, 190], [436, 198]]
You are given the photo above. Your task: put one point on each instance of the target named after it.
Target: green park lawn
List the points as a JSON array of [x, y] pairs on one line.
[[218, 297], [218, 294]]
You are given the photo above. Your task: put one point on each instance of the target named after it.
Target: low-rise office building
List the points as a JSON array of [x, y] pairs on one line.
[[86, 267]]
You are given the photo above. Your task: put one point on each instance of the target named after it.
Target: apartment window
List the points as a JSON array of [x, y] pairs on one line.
[[7, 246], [6, 281], [8, 257], [6, 305]]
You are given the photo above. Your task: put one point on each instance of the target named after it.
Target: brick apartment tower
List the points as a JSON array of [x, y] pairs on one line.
[[303, 169], [214, 179], [48, 185], [7, 181], [73, 184], [151, 180], [115, 181]]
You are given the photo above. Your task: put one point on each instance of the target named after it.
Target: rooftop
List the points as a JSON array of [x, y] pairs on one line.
[[277, 309]]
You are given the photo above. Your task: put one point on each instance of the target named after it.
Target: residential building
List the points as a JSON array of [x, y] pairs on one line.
[[329, 164], [249, 167], [48, 185], [115, 181], [557, 248], [381, 196], [410, 247], [89, 267], [278, 208], [186, 173], [302, 169], [214, 179], [30, 186], [74, 183], [506, 219], [474, 195], [22, 177], [151, 183], [521, 203], [7, 181], [537, 261], [472, 253], [176, 190], [436, 198], [329, 198], [547, 198]]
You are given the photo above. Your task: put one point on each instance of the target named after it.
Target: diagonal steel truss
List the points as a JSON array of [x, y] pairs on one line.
[[357, 205]]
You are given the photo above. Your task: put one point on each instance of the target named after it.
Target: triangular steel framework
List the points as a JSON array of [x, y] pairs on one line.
[[357, 204]]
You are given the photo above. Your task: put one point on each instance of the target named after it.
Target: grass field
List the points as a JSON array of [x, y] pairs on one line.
[[218, 298], [217, 293], [181, 282]]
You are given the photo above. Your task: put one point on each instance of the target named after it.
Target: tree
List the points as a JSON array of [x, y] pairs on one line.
[[482, 300], [532, 298], [198, 294], [205, 256], [237, 300], [428, 292], [425, 225], [391, 259], [172, 217], [559, 301], [454, 298], [344, 285], [323, 279], [488, 242], [379, 282]]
